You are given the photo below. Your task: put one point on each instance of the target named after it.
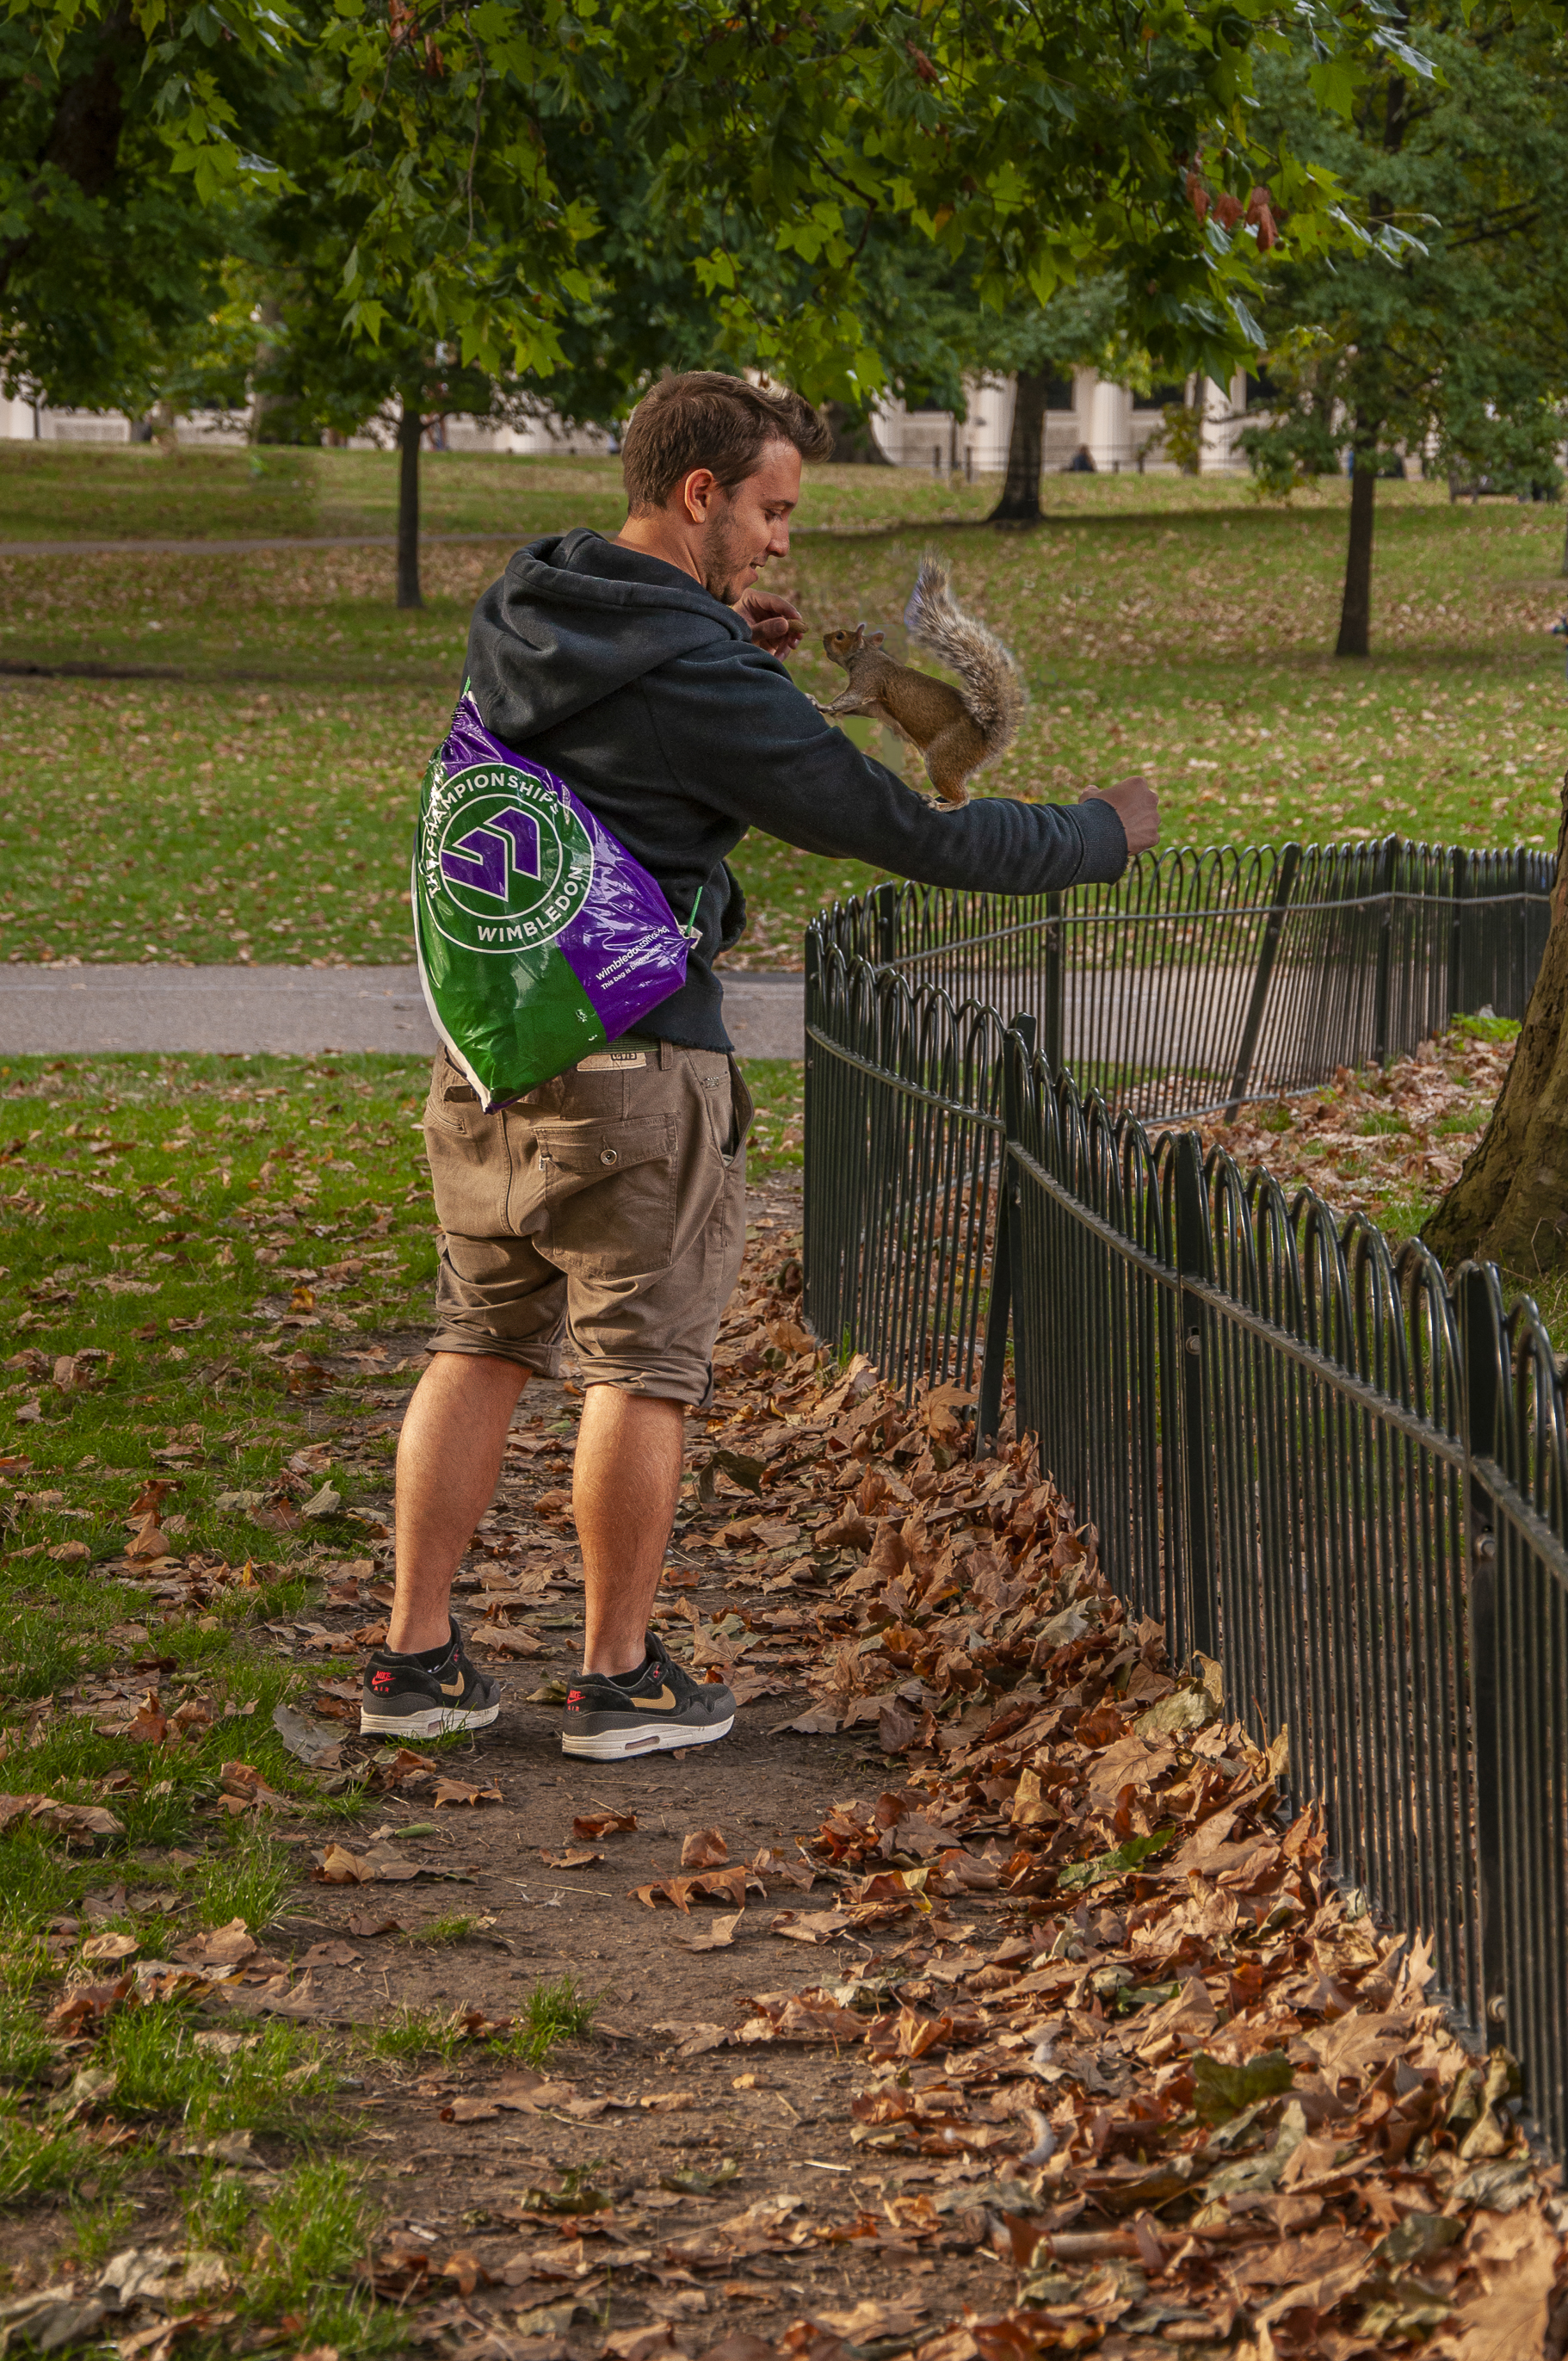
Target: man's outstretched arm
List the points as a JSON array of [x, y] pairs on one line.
[[757, 748]]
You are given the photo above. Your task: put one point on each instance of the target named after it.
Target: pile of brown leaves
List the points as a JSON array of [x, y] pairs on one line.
[[1188, 2089], [1385, 1144]]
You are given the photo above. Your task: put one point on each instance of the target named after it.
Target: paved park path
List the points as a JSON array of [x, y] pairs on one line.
[[55, 1011]]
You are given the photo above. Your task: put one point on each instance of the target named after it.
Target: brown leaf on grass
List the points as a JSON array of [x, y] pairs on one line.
[[458, 1791], [72, 1821], [711, 1886], [148, 1541], [222, 1947], [338, 1866], [703, 1848], [712, 1935], [277, 1517], [151, 1496], [365, 1925], [329, 1955], [110, 1947], [246, 1790], [88, 2004], [589, 1826], [319, 1747]]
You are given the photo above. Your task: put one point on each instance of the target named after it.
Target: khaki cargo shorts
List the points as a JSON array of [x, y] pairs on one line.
[[609, 1206]]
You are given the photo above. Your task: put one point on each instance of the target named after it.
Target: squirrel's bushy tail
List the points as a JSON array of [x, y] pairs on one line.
[[993, 690]]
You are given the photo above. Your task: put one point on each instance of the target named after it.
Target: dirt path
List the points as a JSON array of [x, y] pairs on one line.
[[981, 1998]]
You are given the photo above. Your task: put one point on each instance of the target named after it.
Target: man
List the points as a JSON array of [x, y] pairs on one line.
[[609, 1204]]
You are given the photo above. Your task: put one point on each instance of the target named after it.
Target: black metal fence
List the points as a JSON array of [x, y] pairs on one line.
[[1202, 978], [1303, 1452]]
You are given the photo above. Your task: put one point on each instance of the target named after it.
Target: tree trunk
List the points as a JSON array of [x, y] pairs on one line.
[[1355, 615], [410, 426], [1020, 501], [854, 445], [1510, 1205]]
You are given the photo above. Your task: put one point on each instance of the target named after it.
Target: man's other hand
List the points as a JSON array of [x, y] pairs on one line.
[[1136, 806], [776, 623]]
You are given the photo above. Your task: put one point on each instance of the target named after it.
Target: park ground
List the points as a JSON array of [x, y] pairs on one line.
[[964, 2048], [213, 756], [973, 2002]]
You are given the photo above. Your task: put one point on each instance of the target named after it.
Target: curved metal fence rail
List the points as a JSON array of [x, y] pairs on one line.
[[1303, 1452], [1203, 978]]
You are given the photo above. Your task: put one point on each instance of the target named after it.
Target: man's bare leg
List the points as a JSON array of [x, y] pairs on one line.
[[625, 1489], [449, 1458]]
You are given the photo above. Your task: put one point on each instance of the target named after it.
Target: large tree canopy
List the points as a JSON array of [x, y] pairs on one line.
[[1446, 319], [481, 164]]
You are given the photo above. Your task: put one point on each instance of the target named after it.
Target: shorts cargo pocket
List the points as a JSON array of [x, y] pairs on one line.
[[469, 1165], [609, 1196]]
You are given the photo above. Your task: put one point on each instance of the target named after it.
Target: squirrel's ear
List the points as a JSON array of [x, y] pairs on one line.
[[877, 638]]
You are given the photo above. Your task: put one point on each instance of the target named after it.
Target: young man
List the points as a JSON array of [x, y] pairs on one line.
[[609, 1204]]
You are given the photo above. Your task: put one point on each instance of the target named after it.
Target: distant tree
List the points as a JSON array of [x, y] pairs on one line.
[[1082, 327], [1444, 322], [130, 140]]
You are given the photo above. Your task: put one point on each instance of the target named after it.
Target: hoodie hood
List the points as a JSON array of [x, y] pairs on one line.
[[576, 618]]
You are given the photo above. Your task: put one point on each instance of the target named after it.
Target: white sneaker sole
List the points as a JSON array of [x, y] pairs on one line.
[[441, 1721], [614, 1745]]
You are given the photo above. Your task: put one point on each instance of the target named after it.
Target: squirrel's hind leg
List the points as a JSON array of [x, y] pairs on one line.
[[951, 756]]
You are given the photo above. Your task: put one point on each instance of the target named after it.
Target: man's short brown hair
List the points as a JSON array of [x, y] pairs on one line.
[[703, 419]]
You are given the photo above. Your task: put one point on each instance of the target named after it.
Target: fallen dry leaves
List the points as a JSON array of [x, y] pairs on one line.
[[1183, 2087], [1373, 1141]]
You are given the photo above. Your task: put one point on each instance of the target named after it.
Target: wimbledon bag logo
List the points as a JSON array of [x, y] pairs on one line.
[[504, 863]]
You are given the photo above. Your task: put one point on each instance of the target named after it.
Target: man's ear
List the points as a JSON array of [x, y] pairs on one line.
[[697, 492], [877, 637]]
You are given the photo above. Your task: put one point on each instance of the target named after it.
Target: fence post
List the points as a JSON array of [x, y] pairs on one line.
[[1273, 927], [1388, 854], [1193, 1260], [883, 902], [1483, 1345], [1458, 998], [1051, 1008], [1018, 1044]]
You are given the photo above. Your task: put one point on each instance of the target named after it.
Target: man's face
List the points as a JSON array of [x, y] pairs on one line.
[[743, 529]]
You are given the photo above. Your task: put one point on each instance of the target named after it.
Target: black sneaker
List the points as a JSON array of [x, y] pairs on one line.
[[664, 1708], [402, 1698]]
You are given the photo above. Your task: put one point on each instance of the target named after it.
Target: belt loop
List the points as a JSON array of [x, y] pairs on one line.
[[666, 1056]]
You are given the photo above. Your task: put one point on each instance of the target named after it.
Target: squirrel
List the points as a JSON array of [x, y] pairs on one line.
[[957, 734]]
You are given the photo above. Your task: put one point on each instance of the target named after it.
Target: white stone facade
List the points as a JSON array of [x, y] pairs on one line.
[[1116, 425]]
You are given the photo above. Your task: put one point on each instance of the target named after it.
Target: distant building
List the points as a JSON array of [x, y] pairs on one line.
[[1120, 427]]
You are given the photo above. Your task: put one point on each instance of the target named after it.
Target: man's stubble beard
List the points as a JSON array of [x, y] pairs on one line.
[[724, 563]]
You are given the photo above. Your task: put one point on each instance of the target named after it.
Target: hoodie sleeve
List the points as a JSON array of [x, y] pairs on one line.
[[758, 749]]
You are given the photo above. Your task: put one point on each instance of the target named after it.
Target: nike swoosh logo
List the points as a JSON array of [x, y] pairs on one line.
[[451, 1688], [663, 1703]]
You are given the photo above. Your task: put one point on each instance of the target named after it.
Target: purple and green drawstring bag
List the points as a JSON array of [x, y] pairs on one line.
[[539, 938]]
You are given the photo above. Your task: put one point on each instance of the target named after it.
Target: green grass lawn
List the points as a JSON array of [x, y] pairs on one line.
[[217, 1284], [248, 794]]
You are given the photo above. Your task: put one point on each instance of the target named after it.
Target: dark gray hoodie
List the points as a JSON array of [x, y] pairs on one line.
[[653, 701]]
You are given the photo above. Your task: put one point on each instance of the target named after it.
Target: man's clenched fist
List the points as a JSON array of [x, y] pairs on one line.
[[1136, 806]]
